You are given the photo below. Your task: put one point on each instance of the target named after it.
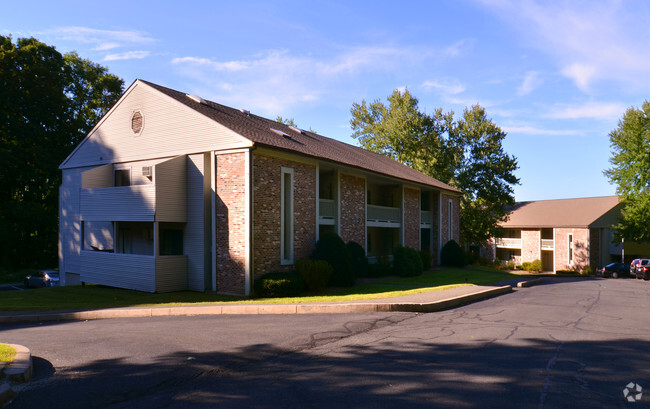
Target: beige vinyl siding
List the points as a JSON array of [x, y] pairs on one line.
[[124, 203], [171, 273], [170, 184], [101, 176], [132, 271], [194, 240], [69, 222], [170, 129]]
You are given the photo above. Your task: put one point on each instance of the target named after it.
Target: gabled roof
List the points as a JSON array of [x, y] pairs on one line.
[[269, 133], [581, 213]]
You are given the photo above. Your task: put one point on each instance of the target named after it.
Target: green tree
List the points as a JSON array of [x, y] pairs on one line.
[[485, 173], [630, 171], [466, 154], [48, 103]]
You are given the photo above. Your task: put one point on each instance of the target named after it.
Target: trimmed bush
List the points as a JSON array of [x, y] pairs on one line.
[[406, 262], [535, 265], [279, 284], [452, 255], [425, 257], [332, 249], [359, 259], [315, 273]]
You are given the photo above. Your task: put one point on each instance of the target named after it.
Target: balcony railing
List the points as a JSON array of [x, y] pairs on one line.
[[426, 217], [383, 216], [326, 211], [509, 243], [548, 244]]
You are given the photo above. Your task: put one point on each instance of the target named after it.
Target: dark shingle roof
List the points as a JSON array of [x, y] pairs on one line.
[[581, 212], [259, 131]]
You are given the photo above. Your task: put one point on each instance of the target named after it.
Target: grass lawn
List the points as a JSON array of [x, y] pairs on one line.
[[95, 296], [7, 353]]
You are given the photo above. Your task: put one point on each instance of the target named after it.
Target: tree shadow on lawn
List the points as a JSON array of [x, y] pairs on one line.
[[386, 374]]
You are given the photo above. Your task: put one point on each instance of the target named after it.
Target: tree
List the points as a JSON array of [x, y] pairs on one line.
[[48, 103], [466, 154], [630, 171], [485, 174]]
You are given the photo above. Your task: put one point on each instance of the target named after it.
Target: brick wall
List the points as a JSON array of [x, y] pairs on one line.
[[580, 249], [412, 218], [353, 209], [530, 245], [267, 173], [231, 223]]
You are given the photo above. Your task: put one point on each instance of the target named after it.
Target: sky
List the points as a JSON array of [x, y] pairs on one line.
[[556, 76]]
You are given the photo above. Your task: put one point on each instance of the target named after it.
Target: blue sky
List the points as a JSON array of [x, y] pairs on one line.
[[556, 76]]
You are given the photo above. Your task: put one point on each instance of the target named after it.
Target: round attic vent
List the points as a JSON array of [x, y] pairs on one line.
[[137, 123]]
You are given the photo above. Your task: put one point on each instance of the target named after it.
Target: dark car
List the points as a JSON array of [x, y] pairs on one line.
[[642, 269], [614, 270], [633, 265], [44, 278]]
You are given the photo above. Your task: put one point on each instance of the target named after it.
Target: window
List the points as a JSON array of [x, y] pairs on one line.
[[570, 241], [450, 209], [122, 177], [286, 216], [137, 123]]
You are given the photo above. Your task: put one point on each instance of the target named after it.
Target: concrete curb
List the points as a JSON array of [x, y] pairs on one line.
[[17, 372], [529, 283], [239, 309]]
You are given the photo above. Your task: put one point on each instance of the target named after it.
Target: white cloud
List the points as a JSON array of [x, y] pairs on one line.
[[591, 42], [444, 87], [531, 82], [581, 74], [589, 110], [531, 130], [129, 55], [277, 79], [104, 40]]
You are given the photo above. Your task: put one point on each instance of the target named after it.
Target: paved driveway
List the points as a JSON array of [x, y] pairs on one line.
[[564, 344]]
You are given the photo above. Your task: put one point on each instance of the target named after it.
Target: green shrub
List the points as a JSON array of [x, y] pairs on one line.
[[381, 268], [315, 273], [331, 248], [359, 259], [279, 284], [425, 257], [588, 271], [406, 262], [452, 255], [535, 265]]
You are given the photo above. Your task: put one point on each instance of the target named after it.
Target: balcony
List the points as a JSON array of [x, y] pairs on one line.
[[382, 216], [135, 271], [548, 244], [508, 243], [326, 211], [123, 203], [426, 218]]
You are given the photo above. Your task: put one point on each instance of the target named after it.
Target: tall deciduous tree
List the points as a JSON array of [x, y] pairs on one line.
[[466, 154], [630, 171], [48, 102]]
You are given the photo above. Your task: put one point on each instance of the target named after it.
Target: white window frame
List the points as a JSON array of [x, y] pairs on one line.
[[570, 252], [286, 226], [450, 214]]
